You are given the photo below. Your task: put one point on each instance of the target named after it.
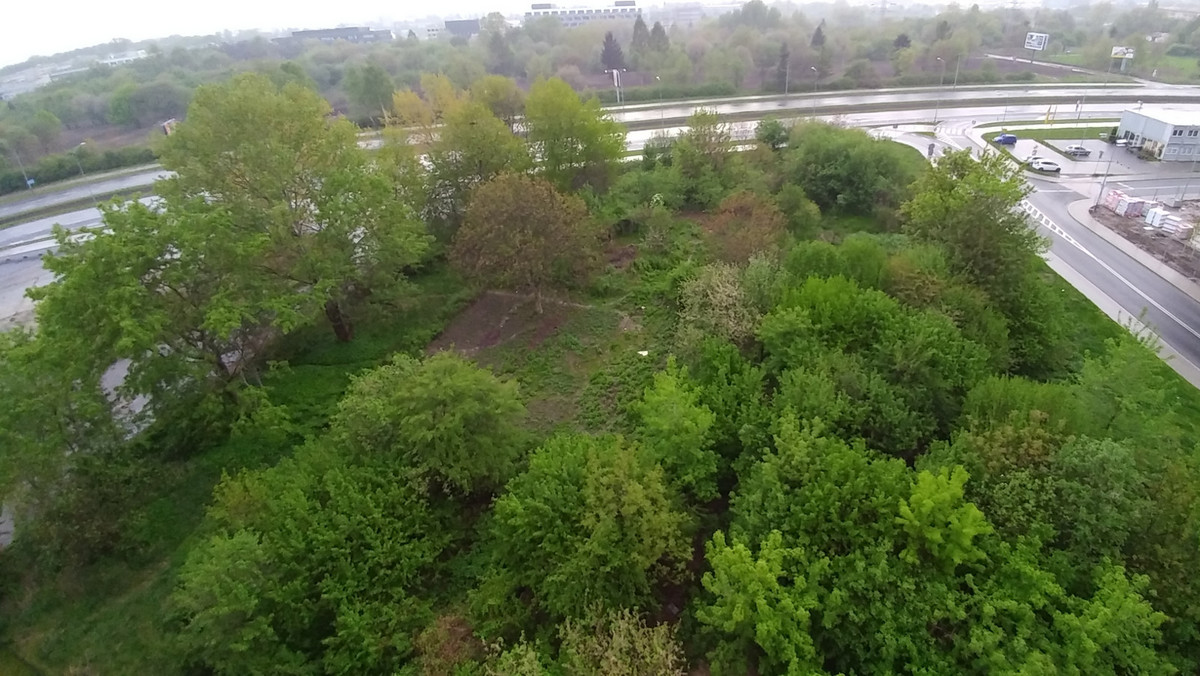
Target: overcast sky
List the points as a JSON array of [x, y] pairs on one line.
[[42, 27]]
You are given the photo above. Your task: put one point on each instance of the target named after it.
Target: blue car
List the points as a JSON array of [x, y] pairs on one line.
[[1006, 139]]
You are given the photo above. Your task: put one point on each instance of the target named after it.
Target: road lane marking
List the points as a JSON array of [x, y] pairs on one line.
[[1045, 220]]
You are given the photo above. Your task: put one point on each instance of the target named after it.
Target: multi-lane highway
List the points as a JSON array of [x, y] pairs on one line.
[[1107, 270], [78, 192]]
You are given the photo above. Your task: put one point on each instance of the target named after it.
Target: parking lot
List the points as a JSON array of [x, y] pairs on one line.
[[1124, 161]]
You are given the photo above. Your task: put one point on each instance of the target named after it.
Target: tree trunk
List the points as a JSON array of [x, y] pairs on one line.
[[342, 328]]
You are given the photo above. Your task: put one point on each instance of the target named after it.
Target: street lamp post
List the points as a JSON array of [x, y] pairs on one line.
[[787, 74], [1104, 180], [957, 63], [662, 124], [938, 108], [79, 164], [21, 165], [816, 78]]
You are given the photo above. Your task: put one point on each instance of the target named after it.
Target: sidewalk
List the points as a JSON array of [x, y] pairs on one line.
[[1079, 211]]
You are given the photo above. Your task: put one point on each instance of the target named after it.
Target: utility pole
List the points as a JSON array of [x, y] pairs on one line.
[[78, 163], [957, 63], [787, 73], [816, 78], [1104, 180], [21, 165], [941, 85], [662, 124]]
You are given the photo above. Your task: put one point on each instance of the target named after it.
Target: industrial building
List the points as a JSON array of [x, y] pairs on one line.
[[1169, 135], [349, 34], [577, 16]]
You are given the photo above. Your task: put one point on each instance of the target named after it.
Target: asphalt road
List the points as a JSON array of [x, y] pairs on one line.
[[974, 96], [76, 193]]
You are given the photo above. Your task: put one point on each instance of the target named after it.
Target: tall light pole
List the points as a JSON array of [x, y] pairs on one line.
[[79, 163], [787, 74], [938, 108], [957, 63], [662, 124], [1104, 180], [28, 185], [816, 78]]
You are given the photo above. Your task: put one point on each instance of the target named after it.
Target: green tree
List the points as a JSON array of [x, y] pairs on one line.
[[313, 566], [312, 218], [370, 89], [759, 608], [590, 522], [846, 170], [674, 430], [451, 425], [576, 143], [154, 289], [46, 127], [502, 96], [523, 235], [611, 56], [641, 37], [472, 148], [659, 41], [818, 36], [771, 133], [703, 156]]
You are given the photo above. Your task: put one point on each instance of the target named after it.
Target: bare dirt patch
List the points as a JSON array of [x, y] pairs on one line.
[[498, 318], [487, 322], [1180, 254], [621, 257]]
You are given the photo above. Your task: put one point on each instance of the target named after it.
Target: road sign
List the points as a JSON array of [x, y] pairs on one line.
[[1036, 41], [1122, 52]]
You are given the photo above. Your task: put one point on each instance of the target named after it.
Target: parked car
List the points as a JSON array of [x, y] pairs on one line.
[[1032, 158], [1077, 151], [1006, 139], [1045, 165]]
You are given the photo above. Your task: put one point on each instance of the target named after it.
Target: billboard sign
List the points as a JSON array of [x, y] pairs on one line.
[[1036, 41], [1122, 52]]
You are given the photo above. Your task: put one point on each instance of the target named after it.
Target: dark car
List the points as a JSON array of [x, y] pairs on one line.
[[1006, 139]]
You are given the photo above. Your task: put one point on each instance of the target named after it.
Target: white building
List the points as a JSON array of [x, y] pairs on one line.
[[1172, 135], [577, 16], [122, 59]]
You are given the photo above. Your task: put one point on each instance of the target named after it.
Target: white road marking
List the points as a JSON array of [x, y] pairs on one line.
[[1045, 221]]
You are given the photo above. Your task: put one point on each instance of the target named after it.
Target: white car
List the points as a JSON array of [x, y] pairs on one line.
[[1045, 165], [1077, 151]]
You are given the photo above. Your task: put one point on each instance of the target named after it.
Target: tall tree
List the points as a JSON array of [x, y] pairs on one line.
[[312, 214], [783, 69], [576, 143], [591, 522], [522, 234], [453, 427], [818, 36], [501, 95], [611, 55], [370, 89], [472, 147], [902, 41], [641, 36], [659, 41]]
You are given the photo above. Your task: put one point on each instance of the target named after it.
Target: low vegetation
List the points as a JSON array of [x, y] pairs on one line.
[[813, 408]]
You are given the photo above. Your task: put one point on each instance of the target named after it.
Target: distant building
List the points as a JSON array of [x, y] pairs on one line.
[[577, 16], [1171, 135], [122, 59], [349, 34], [463, 28], [433, 32], [688, 14]]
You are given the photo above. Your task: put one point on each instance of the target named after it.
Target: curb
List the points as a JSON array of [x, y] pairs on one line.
[[1079, 211]]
